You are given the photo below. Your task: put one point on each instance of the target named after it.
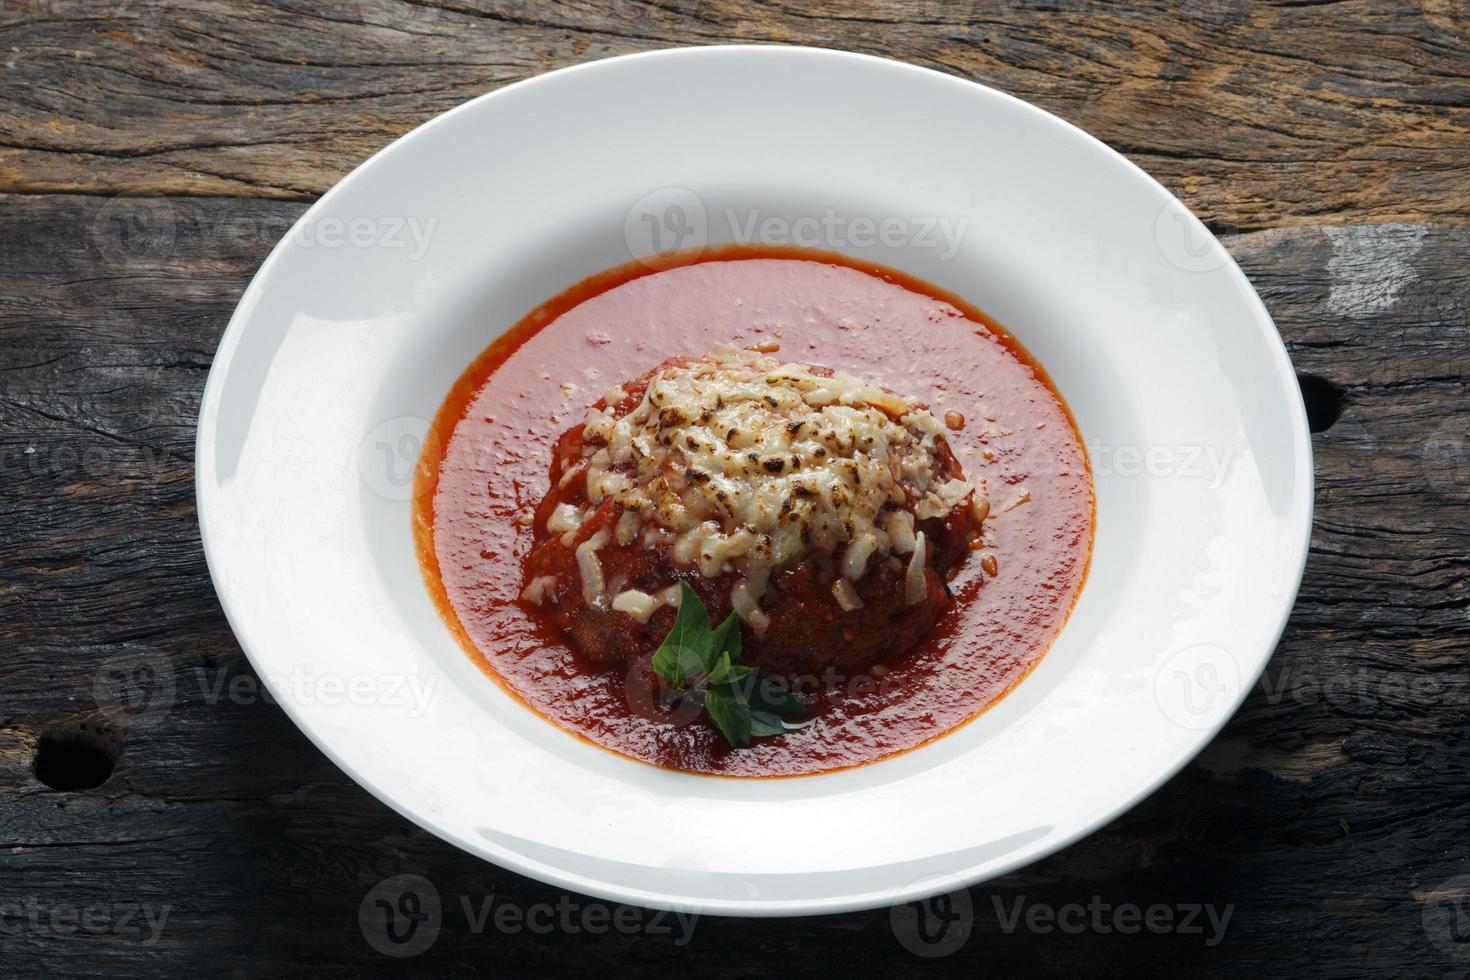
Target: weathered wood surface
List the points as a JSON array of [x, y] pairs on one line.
[[1330, 816], [1258, 115]]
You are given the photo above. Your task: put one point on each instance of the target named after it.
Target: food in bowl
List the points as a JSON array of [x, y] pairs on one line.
[[872, 489], [823, 510]]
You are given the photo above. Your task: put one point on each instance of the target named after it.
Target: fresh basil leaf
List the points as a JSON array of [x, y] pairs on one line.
[[685, 651], [764, 723], [720, 672], [666, 664], [726, 638], [692, 662], [705, 661], [729, 711], [769, 697]]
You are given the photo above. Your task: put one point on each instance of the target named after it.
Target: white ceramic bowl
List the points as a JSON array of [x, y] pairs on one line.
[[347, 340]]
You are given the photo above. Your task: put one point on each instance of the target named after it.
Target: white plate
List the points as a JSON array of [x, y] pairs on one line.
[[354, 328]]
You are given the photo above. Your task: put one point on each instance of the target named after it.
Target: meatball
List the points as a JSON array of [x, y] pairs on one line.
[[822, 510]]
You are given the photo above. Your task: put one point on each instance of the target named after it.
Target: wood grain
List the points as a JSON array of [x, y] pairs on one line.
[[1257, 115], [1326, 141]]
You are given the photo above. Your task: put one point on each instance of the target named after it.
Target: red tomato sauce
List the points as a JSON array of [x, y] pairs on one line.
[[485, 465]]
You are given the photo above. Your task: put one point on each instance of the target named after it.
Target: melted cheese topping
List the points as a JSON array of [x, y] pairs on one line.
[[750, 466]]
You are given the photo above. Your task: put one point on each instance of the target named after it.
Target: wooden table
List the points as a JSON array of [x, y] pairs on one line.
[[152, 153]]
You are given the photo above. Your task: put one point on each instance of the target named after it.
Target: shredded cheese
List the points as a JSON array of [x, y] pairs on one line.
[[537, 589], [639, 605], [846, 596], [590, 567], [748, 466], [913, 576]]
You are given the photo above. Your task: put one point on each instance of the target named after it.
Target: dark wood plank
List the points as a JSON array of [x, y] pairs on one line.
[[1258, 115], [1328, 816]]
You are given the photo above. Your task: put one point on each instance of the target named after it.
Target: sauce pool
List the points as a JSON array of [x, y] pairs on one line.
[[484, 468]]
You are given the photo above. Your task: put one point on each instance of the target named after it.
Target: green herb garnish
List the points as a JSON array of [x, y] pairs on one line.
[[702, 662]]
